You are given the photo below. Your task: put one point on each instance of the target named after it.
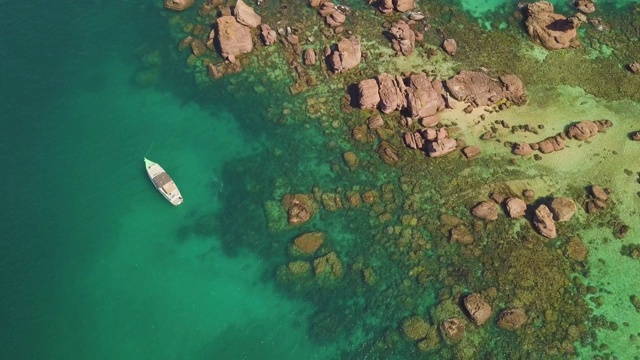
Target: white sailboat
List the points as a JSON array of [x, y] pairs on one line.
[[163, 182]]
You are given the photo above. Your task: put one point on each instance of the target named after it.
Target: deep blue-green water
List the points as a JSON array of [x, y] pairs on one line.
[[94, 263]]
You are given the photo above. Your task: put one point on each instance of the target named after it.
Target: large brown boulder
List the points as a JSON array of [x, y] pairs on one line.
[[403, 38], [368, 93], [178, 5], [234, 38], [634, 67], [562, 208], [486, 210], [422, 99], [553, 31], [245, 15], [543, 222], [346, 56], [516, 207], [404, 5], [308, 243], [512, 319], [479, 89], [478, 308], [391, 96]]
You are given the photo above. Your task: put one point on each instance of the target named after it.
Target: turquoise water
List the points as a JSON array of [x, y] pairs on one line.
[[95, 264]]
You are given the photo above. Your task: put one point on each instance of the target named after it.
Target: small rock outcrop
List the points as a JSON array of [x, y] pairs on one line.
[[346, 56], [553, 31], [562, 208], [516, 207], [486, 210], [587, 129], [309, 57], [478, 308], [586, 6], [512, 319], [178, 5], [543, 222], [268, 35], [300, 208], [450, 46], [234, 38], [245, 15], [403, 40]]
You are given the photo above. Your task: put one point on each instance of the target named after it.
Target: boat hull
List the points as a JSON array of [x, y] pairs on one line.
[[163, 182]]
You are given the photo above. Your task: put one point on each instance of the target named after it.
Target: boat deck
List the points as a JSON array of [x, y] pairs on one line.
[[161, 180]]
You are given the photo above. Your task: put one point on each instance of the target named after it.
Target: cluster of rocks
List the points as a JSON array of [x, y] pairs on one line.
[[402, 38], [479, 311], [422, 97], [585, 6], [299, 208], [334, 15], [544, 216], [308, 244], [582, 131], [387, 6], [598, 199], [434, 142], [551, 30]]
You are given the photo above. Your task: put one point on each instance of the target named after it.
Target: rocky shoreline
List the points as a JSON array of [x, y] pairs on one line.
[[432, 220]]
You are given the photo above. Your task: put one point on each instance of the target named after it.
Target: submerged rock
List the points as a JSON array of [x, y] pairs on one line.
[[299, 267], [330, 264], [453, 329], [576, 249], [512, 319], [461, 235], [308, 243], [553, 31], [415, 328], [478, 308], [543, 221]]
